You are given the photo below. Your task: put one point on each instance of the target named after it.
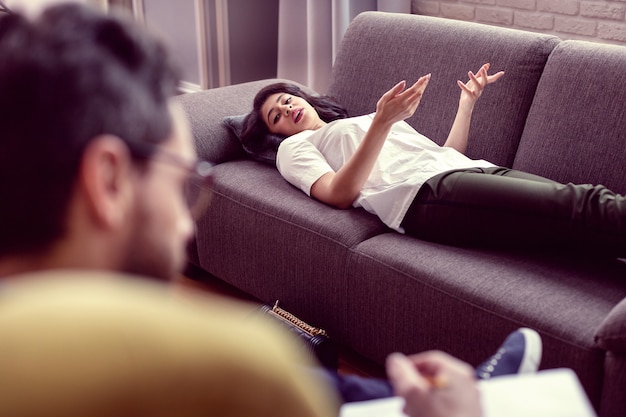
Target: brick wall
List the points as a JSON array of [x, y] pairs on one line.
[[597, 21]]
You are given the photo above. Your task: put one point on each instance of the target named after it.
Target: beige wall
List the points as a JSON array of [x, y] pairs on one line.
[[598, 21]]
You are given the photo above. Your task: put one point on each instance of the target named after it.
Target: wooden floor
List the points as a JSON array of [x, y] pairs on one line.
[[349, 361]]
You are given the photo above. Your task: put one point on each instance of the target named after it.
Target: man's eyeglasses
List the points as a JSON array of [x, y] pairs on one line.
[[197, 184]]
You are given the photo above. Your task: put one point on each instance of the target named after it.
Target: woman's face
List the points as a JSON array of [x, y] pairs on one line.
[[287, 114]]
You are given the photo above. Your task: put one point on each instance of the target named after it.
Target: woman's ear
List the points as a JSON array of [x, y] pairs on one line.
[[105, 180]]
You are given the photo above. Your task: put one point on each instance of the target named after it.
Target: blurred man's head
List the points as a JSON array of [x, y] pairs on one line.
[[94, 155]]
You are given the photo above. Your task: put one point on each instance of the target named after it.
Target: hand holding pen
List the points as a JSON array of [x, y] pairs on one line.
[[434, 384]]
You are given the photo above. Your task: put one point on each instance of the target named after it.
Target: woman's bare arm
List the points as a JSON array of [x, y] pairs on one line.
[[470, 92], [341, 188]]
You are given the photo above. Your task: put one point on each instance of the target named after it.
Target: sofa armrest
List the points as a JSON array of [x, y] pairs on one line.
[[206, 111], [611, 334]]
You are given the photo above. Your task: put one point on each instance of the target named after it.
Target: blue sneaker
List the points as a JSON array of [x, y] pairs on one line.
[[520, 353]]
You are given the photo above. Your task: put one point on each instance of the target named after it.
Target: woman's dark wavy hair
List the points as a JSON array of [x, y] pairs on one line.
[[254, 127]]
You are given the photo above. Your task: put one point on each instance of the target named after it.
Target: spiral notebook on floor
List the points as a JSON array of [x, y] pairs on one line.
[[549, 393]]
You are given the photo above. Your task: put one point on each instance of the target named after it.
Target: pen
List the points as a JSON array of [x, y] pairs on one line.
[[437, 382]]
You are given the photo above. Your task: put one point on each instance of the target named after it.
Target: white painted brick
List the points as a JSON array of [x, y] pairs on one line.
[[593, 20], [457, 11], [518, 4], [496, 16], [425, 7], [612, 31], [575, 26], [487, 2], [603, 10], [534, 20], [569, 7]]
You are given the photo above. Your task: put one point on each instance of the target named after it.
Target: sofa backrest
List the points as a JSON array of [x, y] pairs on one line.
[[576, 127], [379, 49]]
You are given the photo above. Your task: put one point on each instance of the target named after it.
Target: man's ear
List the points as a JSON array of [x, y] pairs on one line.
[[106, 180]]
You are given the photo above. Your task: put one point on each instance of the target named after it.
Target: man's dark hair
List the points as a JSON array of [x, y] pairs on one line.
[[65, 78]]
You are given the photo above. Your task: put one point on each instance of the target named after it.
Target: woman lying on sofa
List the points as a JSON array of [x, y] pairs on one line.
[[379, 162]]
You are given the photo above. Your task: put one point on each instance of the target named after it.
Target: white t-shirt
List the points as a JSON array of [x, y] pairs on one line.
[[406, 161]]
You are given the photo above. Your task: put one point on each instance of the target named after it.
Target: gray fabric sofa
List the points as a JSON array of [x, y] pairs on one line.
[[558, 112]]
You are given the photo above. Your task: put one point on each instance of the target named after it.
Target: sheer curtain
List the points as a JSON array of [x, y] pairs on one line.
[[33, 7], [309, 33]]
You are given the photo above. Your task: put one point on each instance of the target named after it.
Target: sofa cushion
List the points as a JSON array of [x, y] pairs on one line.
[[271, 240], [576, 128], [367, 65], [413, 295]]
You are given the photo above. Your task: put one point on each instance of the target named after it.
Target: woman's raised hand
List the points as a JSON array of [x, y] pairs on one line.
[[341, 188], [471, 90], [398, 104]]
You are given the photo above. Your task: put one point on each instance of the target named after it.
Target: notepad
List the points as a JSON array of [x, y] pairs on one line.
[[549, 393]]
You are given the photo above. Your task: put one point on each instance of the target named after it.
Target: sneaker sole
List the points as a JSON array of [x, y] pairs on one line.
[[532, 352]]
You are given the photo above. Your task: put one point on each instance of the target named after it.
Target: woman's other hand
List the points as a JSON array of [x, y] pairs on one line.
[[398, 104], [434, 384], [471, 90]]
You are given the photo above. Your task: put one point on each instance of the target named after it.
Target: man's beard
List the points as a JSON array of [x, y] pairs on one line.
[[148, 256]]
